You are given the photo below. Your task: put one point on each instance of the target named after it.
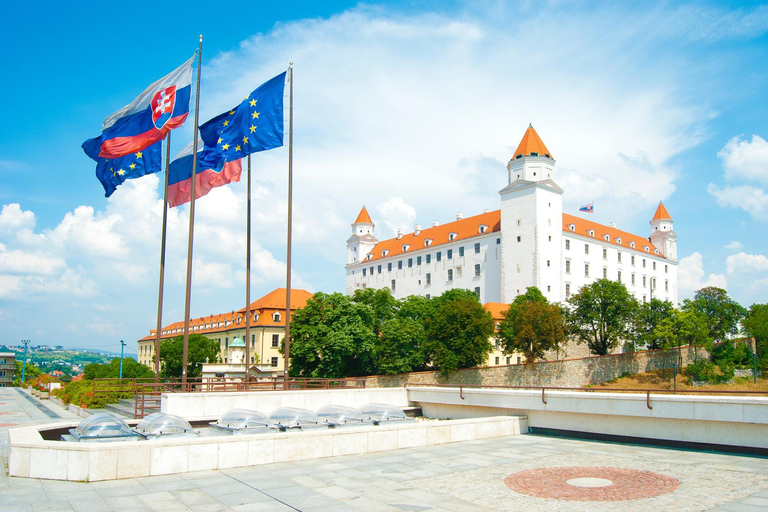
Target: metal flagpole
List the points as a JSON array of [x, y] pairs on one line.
[[290, 226], [158, 336], [248, 278], [185, 354]]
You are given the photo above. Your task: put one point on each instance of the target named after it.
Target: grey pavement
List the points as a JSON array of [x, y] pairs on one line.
[[459, 477]]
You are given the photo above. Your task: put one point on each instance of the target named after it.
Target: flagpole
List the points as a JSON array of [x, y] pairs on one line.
[[162, 260], [290, 226], [185, 353], [248, 279]]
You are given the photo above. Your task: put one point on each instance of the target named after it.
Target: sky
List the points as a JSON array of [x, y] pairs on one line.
[[410, 108]]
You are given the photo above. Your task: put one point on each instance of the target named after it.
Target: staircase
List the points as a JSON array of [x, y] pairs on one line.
[[125, 408]]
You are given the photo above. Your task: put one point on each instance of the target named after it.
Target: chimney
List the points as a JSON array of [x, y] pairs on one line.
[[399, 233], [613, 225], [484, 211], [435, 223], [417, 230], [459, 216]]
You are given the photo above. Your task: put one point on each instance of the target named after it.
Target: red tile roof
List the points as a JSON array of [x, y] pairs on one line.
[[661, 213], [615, 236], [531, 143], [496, 309], [363, 217]]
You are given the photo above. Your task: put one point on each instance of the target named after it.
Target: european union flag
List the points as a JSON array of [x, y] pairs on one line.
[[254, 125], [114, 171]]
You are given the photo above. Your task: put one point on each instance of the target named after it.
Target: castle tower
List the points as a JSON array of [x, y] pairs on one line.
[[362, 240], [531, 222], [663, 237]]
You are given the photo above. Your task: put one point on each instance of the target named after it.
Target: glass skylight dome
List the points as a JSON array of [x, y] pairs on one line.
[[161, 424], [338, 415], [242, 421], [293, 417], [378, 413], [101, 426]]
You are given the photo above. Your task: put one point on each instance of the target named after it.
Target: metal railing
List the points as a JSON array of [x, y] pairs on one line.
[[544, 389]]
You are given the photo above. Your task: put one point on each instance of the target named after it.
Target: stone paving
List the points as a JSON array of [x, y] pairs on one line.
[[458, 477]]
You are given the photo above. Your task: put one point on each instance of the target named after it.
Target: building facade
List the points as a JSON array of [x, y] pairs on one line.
[[7, 368], [529, 241], [267, 332]]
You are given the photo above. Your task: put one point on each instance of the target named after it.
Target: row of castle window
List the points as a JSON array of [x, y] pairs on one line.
[[605, 256], [393, 284], [428, 257]]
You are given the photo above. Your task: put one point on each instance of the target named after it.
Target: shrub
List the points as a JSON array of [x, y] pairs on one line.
[[708, 371]]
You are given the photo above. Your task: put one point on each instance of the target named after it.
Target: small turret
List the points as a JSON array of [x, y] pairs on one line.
[[662, 236], [362, 240], [531, 161]]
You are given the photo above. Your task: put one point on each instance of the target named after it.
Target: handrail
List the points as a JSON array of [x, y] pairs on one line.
[[590, 389]]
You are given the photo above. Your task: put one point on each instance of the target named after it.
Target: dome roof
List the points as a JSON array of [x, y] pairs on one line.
[[237, 342]]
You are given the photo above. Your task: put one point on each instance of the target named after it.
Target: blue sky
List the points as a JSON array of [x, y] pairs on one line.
[[411, 108]]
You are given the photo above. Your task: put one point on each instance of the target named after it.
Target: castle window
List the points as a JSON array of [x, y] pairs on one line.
[[619, 256], [405, 247], [450, 274], [410, 260], [632, 244], [427, 242], [605, 253], [461, 249], [429, 256], [458, 271], [428, 296], [532, 154], [452, 236], [371, 270], [547, 260], [367, 256], [618, 240], [572, 227], [567, 290], [643, 262], [383, 253], [586, 270], [586, 248], [644, 282], [418, 258], [549, 238], [518, 220], [619, 278], [654, 263], [567, 243], [605, 271], [477, 245], [633, 279], [276, 317], [607, 237], [477, 268], [633, 260], [498, 241], [274, 360], [429, 276], [477, 288], [567, 266], [519, 238], [591, 232], [449, 254], [647, 249], [393, 285], [238, 320], [275, 337], [666, 283], [439, 256], [389, 265], [400, 265], [666, 269], [483, 228]]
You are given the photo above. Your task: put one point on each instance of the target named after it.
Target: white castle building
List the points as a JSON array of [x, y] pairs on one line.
[[528, 242]]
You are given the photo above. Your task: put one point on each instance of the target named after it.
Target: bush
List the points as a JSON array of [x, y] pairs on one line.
[[81, 393], [707, 371]]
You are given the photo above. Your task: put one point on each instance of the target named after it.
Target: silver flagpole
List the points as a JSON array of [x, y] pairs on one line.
[[290, 226], [162, 261]]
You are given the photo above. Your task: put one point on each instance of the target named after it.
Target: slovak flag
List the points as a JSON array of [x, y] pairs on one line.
[[163, 106], [212, 171], [587, 208]]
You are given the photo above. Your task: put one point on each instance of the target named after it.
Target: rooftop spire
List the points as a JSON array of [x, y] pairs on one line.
[[363, 217], [661, 213], [531, 145]]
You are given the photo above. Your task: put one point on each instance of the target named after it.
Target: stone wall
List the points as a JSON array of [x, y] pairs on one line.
[[572, 373]]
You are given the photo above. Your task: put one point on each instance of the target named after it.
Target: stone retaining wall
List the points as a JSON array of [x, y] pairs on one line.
[[563, 373]]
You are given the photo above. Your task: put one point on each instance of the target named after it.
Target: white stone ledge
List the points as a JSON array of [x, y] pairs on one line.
[[32, 456]]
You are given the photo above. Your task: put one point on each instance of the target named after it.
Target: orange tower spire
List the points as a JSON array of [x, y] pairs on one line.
[[531, 145], [661, 213], [363, 217]]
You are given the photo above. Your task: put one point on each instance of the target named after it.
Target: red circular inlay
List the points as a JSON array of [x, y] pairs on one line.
[[625, 484]]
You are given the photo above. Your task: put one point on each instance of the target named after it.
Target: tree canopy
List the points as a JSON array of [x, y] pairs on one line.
[[131, 370], [756, 325], [647, 318], [531, 326], [200, 350], [722, 313], [601, 314], [682, 328]]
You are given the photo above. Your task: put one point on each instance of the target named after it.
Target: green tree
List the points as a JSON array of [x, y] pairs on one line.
[[30, 372], [332, 337], [648, 317], [722, 313], [131, 370], [381, 302], [457, 331], [415, 307], [680, 329], [200, 350], [756, 325], [601, 314], [531, 326], [399, 348]]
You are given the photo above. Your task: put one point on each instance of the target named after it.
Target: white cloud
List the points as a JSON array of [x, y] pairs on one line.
[[751, 199], [743, 262], [734, 246], [690, 276], [396, 214], [13, 219], [745, 160]]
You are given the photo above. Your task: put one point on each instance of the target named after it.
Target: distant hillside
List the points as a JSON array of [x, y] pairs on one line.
[[69, 361]]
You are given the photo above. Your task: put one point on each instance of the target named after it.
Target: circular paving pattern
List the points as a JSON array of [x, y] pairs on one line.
[[584, 483]]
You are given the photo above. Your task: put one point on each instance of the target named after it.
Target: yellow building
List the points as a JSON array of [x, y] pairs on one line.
[[267, 330]]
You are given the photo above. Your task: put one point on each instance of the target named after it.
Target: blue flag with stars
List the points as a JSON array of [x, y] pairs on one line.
[[114, 171], [254, 125]]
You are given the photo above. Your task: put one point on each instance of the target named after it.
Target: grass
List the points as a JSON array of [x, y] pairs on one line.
[[662, 379]]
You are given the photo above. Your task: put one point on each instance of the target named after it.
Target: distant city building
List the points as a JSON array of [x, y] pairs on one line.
[[529, 241], [7, 368], [267, 332]]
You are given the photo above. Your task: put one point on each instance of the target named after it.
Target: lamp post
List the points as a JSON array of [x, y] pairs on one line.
[[122, 347], [24, 361]]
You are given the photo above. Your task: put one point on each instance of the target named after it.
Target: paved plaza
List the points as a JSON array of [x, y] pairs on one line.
[[511, 473]]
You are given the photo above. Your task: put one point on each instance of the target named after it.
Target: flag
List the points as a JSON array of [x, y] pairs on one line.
[[587, 208], [163, 106], [254, 125], [112, 172], [212, 171]]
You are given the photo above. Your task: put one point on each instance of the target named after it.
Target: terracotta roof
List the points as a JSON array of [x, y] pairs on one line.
[[266, 306], [496, 309], [531, 143], [661, 213], [439, 235], [600, 232], [363, 217]]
